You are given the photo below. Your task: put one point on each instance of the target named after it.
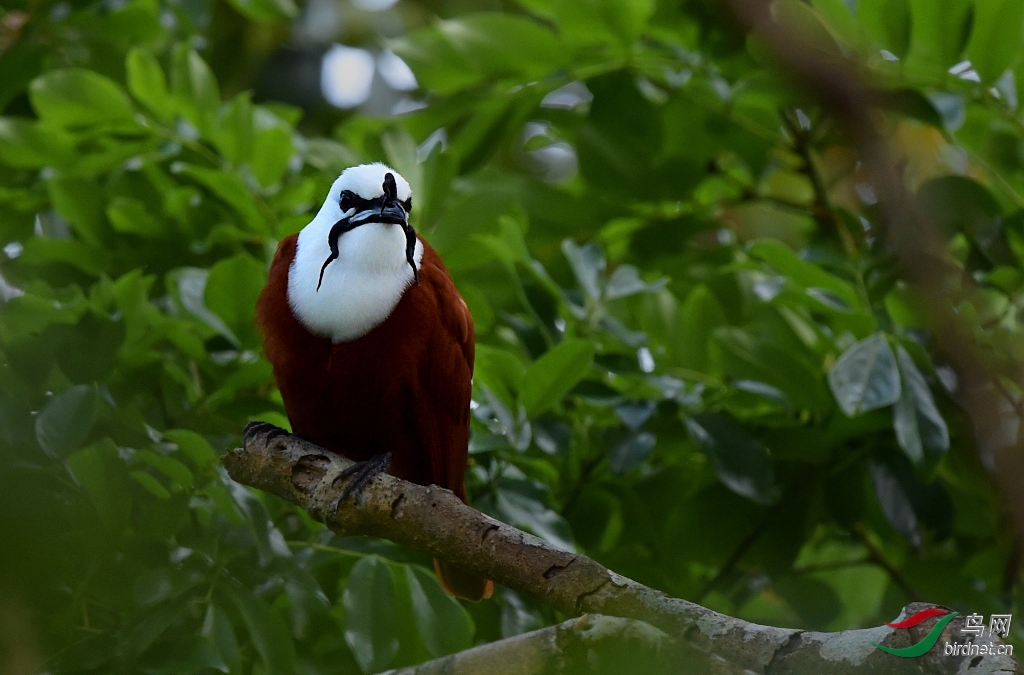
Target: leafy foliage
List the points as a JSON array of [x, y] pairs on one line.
[[697, 361]]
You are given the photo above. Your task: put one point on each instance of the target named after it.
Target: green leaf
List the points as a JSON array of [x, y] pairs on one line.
[[328, 156], [185, 655], [232, 191], [443, 624], [152, 485], [371, 621], [130, 216], [190, 283], [500, 371], [306, 599], [629, 451], [551, 376], [194, 446], [961, 205], [598, 21], [996, 37], [75, 97], [234, 135], [626, 281], [814, 34], [66, 420], [887, 22], [524, 511], [803, 273], [918, 424], [482, 38], [911, 103], [746, 356], [837, 14], [454, 54], [217, 627], [147, 82], [156, 585], [402, 155], [517, 617], [81, 202], [895, 502], [865, 377], [26, 144], [741, 462], [267, 630], [587, 264], [266, 11], [438, 66], [104, 478], [170, 467], [272, 148], [939, 31], [145, 632], [231, 291], [195, 89], [699, 315]]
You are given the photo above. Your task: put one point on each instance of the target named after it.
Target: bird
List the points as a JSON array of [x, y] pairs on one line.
[[372, 345]]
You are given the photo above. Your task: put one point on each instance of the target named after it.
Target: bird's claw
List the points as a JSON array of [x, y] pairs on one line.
[[257, 427], [362, 473]]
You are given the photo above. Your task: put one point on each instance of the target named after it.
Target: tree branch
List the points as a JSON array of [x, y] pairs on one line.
[[592, 643], [432, 519]]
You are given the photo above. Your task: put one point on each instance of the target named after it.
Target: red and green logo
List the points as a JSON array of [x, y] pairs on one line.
[[929, 640]]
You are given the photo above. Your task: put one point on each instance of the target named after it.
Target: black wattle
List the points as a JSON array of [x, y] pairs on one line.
[[338, 229], [410, 250]]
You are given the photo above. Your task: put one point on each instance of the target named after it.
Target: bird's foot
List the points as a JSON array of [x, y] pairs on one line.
[[362, 473], [257, 427]]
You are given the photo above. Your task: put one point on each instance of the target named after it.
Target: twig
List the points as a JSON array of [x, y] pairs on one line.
[[834, 565], [878, 557], [824, 212], [737, 554]]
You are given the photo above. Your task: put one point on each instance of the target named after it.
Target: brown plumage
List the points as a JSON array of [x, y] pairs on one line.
[[404, 387]]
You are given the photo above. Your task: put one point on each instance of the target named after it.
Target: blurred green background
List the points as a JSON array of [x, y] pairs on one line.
[[697, 362]]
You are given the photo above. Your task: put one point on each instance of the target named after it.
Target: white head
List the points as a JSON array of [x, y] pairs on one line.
[[358, 255]]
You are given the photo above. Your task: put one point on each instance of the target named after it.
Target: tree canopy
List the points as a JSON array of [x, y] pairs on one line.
[[699, 359]]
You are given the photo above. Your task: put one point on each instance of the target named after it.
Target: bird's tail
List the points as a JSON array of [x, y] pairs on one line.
[[462, 584]]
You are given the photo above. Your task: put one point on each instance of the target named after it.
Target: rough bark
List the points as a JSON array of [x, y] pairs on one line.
[[593, 644], [434, 520]]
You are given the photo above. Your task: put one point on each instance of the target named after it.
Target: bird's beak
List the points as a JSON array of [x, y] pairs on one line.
[[391, 212]]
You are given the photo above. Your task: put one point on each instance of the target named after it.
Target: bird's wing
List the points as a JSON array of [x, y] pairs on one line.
[[442, 414], [273, 315]]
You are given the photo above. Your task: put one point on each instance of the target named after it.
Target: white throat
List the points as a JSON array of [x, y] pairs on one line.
[[360, 288]]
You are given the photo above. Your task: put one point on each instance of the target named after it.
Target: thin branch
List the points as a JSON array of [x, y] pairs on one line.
[[741, 550], [834, 565], [878, 557], [824, 212]]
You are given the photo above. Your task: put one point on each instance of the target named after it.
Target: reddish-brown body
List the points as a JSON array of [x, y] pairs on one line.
[[402, 388]]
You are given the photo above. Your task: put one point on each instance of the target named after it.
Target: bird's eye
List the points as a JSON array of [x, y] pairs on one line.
[[407, 205], [348, 200]]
